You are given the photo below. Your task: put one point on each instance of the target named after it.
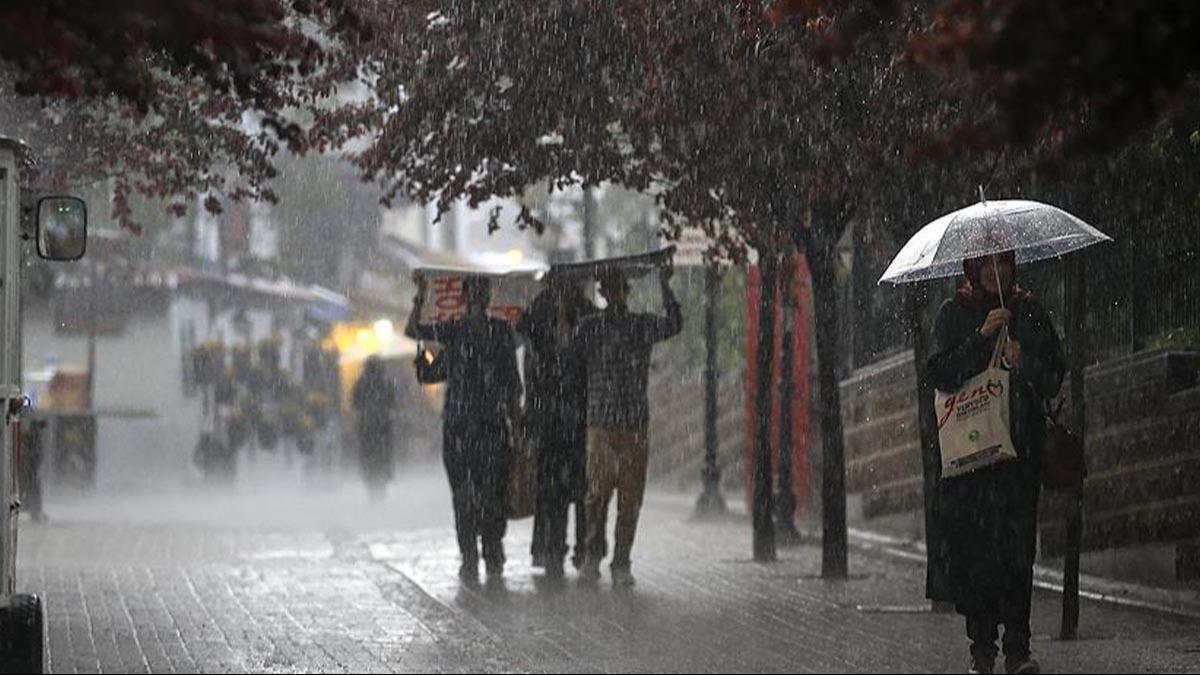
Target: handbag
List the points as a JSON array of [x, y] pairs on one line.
[[1063, 463], [973, 422], [432, 367], [522, 486]]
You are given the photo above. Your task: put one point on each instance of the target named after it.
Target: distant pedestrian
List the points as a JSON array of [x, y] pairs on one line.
[[375, 400], [33, 441]]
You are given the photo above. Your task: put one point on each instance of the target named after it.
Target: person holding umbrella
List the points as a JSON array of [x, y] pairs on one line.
[[987, 514], [990, 515]]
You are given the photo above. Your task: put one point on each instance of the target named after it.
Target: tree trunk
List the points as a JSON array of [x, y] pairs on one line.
[[833, 482], [764, 528], [711, 503]]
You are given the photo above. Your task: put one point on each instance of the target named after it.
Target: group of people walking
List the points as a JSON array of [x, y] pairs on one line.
[[585, 410]]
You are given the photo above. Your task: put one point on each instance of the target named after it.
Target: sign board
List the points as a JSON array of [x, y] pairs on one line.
[[632, 266], [444, 300], [513, 292]]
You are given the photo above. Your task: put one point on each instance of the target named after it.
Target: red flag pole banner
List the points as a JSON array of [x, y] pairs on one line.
[[753, 292], [801, 402]]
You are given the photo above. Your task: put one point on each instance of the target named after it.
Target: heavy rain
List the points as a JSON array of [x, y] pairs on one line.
[[599, 336]]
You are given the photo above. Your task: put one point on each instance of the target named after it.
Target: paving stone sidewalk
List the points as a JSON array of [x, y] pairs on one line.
[[311, 594]]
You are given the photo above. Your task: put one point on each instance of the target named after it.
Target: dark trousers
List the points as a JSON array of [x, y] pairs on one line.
[[560, 485], [1011, 610], [476, 457], [550, 528]]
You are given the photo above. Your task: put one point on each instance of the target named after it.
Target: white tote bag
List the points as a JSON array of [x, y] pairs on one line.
[[973, 429]]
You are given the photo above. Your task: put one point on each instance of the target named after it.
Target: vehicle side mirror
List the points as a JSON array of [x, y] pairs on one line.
[[61, 228]]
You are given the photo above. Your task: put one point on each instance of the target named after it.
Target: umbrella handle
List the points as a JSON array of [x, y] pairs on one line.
[[996, 269], [1000, 294]]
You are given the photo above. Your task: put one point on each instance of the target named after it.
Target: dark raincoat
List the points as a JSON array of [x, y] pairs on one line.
[[556, 415], [989, 517]]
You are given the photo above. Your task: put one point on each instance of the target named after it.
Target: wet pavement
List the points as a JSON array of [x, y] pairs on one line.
[[305, 578]]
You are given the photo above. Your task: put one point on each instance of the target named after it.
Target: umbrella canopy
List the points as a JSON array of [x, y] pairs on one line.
[[1033, 230]]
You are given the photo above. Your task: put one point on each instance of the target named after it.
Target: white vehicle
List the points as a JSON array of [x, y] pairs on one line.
[[59, 226]]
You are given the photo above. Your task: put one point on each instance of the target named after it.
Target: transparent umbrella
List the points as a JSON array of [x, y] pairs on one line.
[[1033, 230]]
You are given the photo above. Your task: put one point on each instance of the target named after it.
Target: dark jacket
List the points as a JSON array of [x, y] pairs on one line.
[[989, 517], [557, 394], [483, 379], [555, 407]]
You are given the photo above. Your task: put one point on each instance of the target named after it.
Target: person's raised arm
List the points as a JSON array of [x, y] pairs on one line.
[[662, 328], [955, 355], [414, 329]]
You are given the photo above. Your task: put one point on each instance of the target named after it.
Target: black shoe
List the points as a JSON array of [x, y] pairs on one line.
[[622, 577], [589, 572], [554, 570], [981, 667], [985, 663], [1022, 666]]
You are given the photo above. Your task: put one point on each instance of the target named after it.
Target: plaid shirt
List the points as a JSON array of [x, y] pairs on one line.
[[617, 346]]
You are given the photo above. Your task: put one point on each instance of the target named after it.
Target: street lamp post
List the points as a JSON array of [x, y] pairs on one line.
[[711, 503]]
